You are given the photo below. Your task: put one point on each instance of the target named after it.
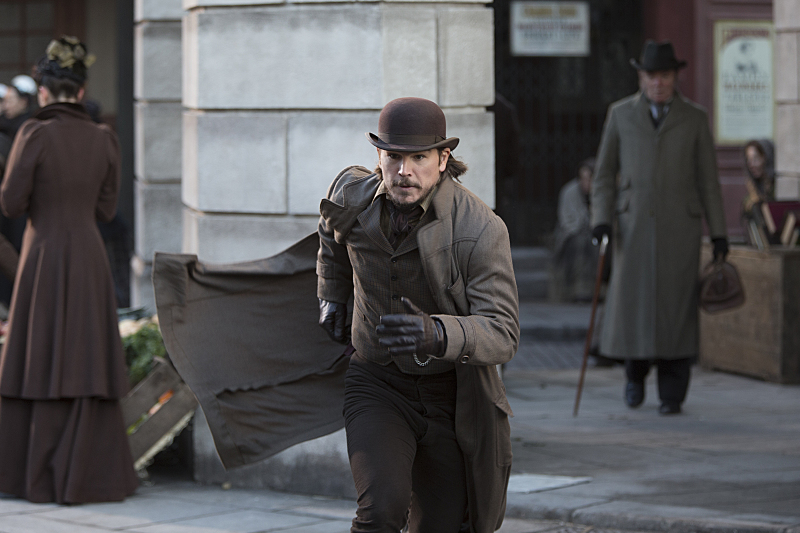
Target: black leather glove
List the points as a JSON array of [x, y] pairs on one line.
[[332, 318], [720, 248], [598, 232], [412, 333]]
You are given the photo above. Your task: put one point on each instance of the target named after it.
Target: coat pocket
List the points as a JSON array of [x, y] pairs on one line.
[[503, 428], [457, 292], [503, 434]]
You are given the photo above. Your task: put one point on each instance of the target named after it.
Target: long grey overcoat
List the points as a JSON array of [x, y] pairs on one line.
[[656, 185]]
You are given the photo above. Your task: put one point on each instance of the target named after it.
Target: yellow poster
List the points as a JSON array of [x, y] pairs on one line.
[[744, 104]]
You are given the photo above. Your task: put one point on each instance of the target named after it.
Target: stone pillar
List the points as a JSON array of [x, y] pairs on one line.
[[786, 14], [277, 97], [157, 124]]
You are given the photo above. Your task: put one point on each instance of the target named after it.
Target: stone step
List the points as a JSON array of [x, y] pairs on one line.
[[532, 285], [532, 271], [542, 321], [526, 258]]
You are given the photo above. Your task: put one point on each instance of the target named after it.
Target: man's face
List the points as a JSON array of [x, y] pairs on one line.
[[755, 161], [658, 85], [13, 104], [410, 176], [585, 179]]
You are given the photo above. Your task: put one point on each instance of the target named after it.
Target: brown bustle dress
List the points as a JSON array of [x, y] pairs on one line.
[[62, 368]]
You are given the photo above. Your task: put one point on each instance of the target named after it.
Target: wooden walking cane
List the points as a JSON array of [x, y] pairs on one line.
[[597, 284]]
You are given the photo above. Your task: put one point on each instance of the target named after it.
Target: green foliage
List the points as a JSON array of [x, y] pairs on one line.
[[140, 348]]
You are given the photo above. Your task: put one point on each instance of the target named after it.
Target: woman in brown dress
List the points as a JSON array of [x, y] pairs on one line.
[[62, 369]]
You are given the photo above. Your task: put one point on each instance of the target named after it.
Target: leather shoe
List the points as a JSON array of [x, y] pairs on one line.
[[669, 408], [634, 394]]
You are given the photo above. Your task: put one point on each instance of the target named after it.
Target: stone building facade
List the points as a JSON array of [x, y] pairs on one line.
[[787, 98]]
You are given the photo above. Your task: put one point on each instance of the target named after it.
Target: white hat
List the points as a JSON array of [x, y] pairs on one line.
[[24, 84], [3, 90]]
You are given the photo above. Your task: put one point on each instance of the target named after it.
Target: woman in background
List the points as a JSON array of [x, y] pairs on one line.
[[62, 369]]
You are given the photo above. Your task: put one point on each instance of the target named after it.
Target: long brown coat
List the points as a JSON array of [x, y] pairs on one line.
[[656, 184], [245, 338], [466, 257], [63, 342]]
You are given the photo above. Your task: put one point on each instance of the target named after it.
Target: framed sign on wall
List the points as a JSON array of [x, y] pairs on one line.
[[549, 28], [744, 104]]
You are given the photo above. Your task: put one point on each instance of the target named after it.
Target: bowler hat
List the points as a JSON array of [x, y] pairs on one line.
[[657, 56], [411, 125]]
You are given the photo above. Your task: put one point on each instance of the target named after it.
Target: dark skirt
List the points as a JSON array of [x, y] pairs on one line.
[[72, 450]]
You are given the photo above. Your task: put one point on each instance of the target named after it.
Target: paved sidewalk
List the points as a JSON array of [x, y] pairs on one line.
[[176, 506], [730, 462]]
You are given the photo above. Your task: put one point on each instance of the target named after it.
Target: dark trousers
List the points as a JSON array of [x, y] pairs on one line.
[[401, 441], [673, 376]]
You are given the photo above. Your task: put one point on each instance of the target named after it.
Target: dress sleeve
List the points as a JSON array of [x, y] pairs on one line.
[[25, 156], [106, 206]]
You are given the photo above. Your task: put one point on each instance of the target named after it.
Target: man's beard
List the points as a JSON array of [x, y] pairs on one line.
[[408, 207]]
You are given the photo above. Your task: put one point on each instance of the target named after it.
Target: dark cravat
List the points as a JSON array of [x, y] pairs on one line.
[[401, 224]]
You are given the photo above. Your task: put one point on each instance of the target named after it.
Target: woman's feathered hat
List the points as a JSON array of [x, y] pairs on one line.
[[65, 58]]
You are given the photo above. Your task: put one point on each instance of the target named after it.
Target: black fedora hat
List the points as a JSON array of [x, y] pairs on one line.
[[411, 125], [657, 56]]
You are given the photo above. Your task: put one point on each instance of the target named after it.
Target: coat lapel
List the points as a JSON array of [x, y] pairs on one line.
[[643, 117], [435, 241], [673, 118], [370, 220]]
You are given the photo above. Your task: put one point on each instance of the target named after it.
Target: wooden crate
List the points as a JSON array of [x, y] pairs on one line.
[[166, 421], [762, 337]]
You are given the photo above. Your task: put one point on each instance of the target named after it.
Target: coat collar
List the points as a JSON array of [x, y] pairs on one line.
[[63, 109], [676, 109]]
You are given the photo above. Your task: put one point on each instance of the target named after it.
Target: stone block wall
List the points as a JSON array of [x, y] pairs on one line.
[[277, 98], [786, 14], [158, 132]]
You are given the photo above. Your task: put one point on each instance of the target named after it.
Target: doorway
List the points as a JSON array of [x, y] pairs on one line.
[[550, 111]]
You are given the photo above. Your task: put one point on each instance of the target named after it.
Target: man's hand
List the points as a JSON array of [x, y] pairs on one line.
[[332, 318], [720, 248], [412, 333], [599, 231]]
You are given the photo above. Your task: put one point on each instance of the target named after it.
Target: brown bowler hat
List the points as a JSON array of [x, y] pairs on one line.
[[657, 56], [411, 125]]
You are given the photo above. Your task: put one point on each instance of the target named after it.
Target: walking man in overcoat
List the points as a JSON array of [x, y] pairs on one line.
[[435, 308], [656, 177]]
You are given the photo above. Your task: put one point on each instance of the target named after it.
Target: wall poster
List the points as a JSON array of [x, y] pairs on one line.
[[549, 28], [744, 106]]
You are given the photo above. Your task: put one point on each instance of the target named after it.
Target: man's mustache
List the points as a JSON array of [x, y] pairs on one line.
[[404, 183]]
